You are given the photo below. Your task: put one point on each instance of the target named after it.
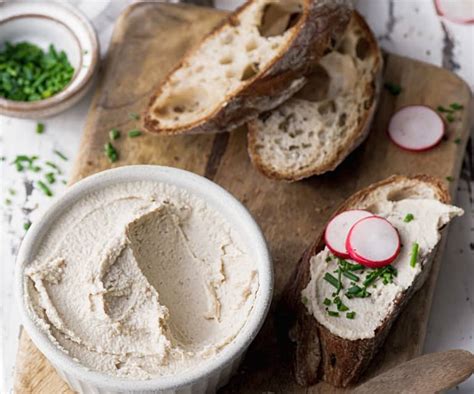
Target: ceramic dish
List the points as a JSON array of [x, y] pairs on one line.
[[211, 374], [67, 29]]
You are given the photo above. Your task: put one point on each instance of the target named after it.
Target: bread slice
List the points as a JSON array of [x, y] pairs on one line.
[[319, 353], [316, 129], [252, 62]]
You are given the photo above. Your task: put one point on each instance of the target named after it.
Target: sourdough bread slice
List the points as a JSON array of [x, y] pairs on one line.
[[316, 129], [330, 350], [252, 62]]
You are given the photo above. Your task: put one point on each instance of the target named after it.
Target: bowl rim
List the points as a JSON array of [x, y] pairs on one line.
[[223, 202], [66, 93]]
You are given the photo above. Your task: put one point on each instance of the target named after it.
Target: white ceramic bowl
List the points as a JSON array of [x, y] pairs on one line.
[[213, 373], [67, 29]]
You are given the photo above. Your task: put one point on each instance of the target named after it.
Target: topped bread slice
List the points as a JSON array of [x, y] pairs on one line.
[[255, 60], [316, 129], [336, 331]]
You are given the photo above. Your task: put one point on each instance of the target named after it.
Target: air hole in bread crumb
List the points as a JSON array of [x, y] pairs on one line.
[[226, 40], [249, 71], [278, 18], [226, 60], [341, 122], [327, 107], [292, 147], [362, 48], [230, 74], [317, 87], [251, 46]]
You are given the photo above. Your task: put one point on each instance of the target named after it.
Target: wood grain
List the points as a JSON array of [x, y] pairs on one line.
[[148, 41]]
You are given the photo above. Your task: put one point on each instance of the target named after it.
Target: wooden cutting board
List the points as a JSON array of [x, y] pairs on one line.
[[148, 41]]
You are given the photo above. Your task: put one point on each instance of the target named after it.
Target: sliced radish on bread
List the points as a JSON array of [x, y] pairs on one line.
[[373, 242], [338, 228], [416, 128], [458, 11]]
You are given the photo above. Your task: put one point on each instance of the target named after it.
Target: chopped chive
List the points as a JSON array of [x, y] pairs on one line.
[[39, 128], [64, 182], [134, 116], [333, 313], [350, 315], [3, 158], [305, 300], [408, 218], [414, 254], [450, 118], [328, 259], [442, 109], [134, 133], [50, 177], [449, 178], [54, 166], [332, 280], [114, 134], [342, 308], [393, 88], [27, 226], [351, 276], [327, 302], [457, 141], [8, 201], [45, 189], [61, 155], [12, 191], [456, 106], [110, 152]]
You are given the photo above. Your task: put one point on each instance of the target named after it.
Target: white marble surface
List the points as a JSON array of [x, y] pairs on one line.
[[408, 27]]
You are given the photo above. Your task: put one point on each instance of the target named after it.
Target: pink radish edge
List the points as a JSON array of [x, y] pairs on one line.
[[428, 147], [362, 260], [337, 253], [441, 12]]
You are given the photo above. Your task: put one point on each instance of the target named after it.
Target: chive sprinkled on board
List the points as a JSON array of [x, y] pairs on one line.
[[414, 254], [449, 178], [114, 134], [134, 116], [456, 106], [44, 188], [408, 218], [39, 128], [60, 154], [134, 133], [457, 141], [440, 108], [450, 118], [393, 88], [110, 152]]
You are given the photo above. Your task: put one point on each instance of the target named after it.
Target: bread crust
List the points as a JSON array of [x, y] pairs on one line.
[[321, 22], [319, 354], [358, 135]]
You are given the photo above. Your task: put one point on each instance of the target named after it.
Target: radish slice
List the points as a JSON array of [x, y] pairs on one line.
[[373, 242], [416, 128], [338, 228], [458, 11]]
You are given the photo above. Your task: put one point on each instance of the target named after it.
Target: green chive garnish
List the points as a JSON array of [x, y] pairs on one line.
[[350, 315], [12, 191], [327, 302], [61, 155], [449, 178], [8, 201], [333, 313], [332, 280], [457, 141], [450, 118], [442, 109], [414, 254], [408, 218], [393, 88], [45, 189], [328, 259], [134, 133], [351, 276], [110, 152], [40, 128], [54, 166], [26, 226], [305, 300], [50, 177], [114, 134], [456, 106], [134, 116]]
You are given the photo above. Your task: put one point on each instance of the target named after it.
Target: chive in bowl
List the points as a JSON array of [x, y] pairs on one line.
[[67, 30]]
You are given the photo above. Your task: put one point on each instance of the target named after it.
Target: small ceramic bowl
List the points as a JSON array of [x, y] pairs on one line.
[[206, 377], [67, 29]]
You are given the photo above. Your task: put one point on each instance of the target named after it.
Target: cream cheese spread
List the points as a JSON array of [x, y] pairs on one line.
[[141, 279], [361, 316]]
